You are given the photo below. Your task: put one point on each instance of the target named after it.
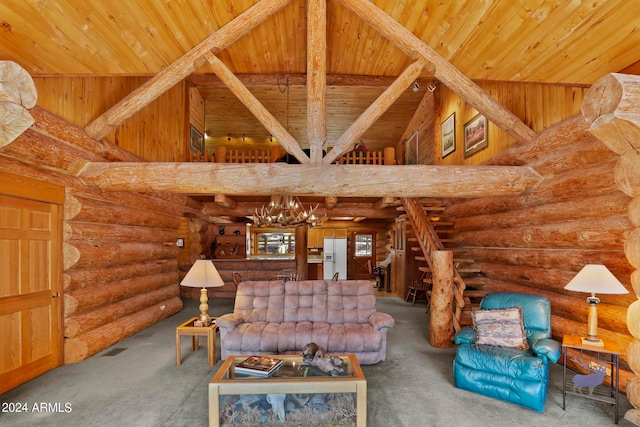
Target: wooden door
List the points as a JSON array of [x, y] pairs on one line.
[[362, 250], [30, 272]]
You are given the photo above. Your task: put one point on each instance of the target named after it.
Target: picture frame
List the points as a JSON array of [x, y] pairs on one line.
[[476, 135], [197, 141], [448, 133], [412, 150]]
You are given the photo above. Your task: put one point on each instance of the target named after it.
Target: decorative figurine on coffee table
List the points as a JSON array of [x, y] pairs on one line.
[[315, 355]]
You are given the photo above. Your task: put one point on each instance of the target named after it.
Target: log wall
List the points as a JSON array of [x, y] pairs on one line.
[[536, 242], [119, 254]]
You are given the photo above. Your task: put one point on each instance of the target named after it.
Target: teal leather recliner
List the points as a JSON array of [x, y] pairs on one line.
[[510, 374]]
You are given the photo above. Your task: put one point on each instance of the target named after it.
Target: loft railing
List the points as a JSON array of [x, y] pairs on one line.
[[251, 155]]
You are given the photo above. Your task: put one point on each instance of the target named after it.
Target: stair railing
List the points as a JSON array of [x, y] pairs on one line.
[[429, 241]]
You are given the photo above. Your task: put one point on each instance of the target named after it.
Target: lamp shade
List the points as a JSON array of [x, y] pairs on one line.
[[596, 279], [203, 274]]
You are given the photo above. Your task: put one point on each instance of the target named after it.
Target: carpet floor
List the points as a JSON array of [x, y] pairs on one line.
[[137, 383]]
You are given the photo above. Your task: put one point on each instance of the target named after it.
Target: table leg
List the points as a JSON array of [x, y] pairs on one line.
[[211, 349], [178, 361], [195, 342], [564, 378]]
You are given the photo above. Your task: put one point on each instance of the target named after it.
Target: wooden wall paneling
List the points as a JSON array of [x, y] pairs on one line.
[[156, 133], [540, 106], [423, 121]]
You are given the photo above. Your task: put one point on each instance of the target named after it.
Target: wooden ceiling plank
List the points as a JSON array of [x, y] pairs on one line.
[[375, 110], [263, 115], [181, 68], [312, 180], [445, 71], [316, 71]]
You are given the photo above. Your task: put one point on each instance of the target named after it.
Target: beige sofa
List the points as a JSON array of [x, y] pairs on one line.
[[281, 318]]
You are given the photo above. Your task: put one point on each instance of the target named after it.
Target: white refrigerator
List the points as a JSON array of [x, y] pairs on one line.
[[335, 258]]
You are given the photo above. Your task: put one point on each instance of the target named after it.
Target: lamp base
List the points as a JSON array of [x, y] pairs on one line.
[[593, 342]]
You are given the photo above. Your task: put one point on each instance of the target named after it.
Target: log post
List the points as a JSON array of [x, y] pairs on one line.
[[441, 323], [301, 251], [221, 154], [316, 77], [389, 156]]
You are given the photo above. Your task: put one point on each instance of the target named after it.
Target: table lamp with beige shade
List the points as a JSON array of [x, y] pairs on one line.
[[203, 274], [592, 279]]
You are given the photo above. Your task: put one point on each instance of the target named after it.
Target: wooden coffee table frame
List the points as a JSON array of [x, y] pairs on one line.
[[196, 332], [222, 384]]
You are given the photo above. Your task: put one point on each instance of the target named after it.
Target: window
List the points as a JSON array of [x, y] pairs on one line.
[[364, 245], [276, 243]]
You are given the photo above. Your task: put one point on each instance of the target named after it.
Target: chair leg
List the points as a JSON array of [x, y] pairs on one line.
[[408, 295]]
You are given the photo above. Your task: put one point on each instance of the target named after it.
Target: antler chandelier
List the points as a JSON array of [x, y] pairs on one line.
[[286, 211]]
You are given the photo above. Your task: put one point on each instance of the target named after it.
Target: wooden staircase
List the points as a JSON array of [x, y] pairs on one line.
[[433, 232]]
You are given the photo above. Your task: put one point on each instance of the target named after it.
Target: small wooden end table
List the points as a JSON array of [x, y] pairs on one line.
[[603, 361], [196, 332]]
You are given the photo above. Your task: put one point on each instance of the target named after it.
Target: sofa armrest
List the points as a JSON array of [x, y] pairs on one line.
[[466, 335], [381, 320], [229, 321], [547, 347]]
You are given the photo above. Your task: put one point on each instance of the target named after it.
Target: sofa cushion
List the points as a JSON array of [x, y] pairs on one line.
[[293, 336], [501, 327], [350, 302], [260, 301], [305, 301]]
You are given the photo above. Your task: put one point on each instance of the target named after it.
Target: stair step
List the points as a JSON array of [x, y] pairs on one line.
[[469, 270], [474, 293], [472, 282]]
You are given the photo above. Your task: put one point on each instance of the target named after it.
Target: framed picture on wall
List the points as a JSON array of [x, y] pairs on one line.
[[449, 135], [475, 135], [412, 150], [197, 141]]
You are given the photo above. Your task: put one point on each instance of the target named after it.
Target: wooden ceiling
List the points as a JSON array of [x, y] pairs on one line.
[[571, 42], [565, 42]]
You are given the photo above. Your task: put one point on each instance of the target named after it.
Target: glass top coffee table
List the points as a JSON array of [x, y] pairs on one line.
[[296, 394]]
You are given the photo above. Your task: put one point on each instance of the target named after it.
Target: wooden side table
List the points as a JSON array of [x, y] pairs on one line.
[[602, 361], [196, 332]]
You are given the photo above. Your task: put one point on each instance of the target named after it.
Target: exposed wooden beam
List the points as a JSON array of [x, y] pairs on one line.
[[252, 103], [384, 202], [374, 111], [444, 70], [330, 202], [223, 200], [244, 209], [317, 71], [312, 180], [249, 80], [182, 67]]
